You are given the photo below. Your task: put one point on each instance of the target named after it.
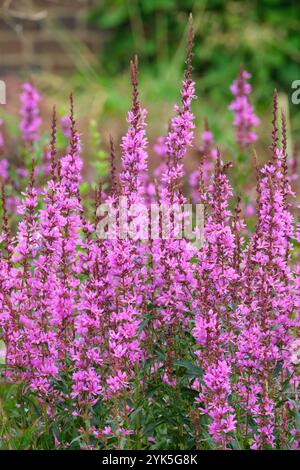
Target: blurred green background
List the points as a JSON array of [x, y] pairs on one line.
[[262, 35]]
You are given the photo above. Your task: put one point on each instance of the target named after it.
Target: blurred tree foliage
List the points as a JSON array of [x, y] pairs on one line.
[[262, 34]]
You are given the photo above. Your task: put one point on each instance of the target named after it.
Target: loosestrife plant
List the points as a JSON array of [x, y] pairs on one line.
[[152, 342]]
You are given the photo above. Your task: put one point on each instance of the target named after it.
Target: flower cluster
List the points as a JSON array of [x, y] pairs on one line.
[[244, 117], [30, 115]]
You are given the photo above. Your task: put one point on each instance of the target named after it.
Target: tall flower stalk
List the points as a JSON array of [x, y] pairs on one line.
[[244, 118]]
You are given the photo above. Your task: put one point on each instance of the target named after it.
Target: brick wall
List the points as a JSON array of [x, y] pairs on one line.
[[47, 35]]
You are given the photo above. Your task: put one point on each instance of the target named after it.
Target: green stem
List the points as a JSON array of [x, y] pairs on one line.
[[137, 417]]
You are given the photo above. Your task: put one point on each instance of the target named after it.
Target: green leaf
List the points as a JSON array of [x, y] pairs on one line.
[[297, 420], [192, 369]]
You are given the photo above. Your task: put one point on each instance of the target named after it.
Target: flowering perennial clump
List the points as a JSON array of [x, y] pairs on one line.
[[134, 343]]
